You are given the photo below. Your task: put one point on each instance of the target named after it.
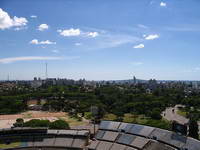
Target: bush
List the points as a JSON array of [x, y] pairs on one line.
[[37, 123], [59, 124], [19, 122]]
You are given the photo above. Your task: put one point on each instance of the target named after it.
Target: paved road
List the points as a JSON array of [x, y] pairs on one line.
[[171, 115]]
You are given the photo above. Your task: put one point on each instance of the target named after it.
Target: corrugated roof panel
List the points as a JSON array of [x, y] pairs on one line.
[[110, 136], [83, 133], [103, 145], [130, 148], [126, 139], [153, 145], [52, 131], [109, 125], [139, 142], [192, 144], [158, 133], [93, 145], [67, 132], [125, 127], [118, 147], [79, 143], [100, 134], [104, 125], [59, 141], [48, 142], [174, 139]]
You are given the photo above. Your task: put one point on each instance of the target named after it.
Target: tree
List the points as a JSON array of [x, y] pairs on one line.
[[155, 114], [193, 129], [59, 124], [19, 122]]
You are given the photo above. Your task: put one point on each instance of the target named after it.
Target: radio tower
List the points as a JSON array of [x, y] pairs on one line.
[[8, 78], [46, 74]]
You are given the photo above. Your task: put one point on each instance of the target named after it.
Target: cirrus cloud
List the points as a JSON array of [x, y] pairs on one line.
[[7, 22], [34, 58], [27, 58], [36, 42]]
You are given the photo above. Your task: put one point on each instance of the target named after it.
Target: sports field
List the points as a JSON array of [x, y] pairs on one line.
[[6, 121]]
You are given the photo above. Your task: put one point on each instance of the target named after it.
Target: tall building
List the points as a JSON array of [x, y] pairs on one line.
[[134, 80]]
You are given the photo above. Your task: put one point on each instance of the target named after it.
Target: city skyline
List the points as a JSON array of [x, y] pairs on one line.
[[100, 40]]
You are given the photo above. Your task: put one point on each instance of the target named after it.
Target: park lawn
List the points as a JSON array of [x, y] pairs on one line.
[[110, 117], [11, 145], [141, 119], [88, 115], [27, 115], [72, 121], [182, 113], [131, 118]]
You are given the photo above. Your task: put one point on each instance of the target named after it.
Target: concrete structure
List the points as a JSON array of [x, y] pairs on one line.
[[110, 136]]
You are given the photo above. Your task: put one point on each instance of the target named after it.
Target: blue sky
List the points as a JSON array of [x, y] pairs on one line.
[[100, 39]]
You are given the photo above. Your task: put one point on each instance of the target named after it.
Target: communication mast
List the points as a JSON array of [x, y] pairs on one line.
[[46, 73]]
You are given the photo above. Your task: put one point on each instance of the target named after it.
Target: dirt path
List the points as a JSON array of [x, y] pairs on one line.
[[33, 114]]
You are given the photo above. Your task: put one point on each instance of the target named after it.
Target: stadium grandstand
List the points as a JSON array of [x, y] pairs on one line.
[[110, 136]]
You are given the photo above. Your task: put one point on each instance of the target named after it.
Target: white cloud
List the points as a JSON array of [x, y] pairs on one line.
[[7, 22], [43, 27], [27, 58], [70, 32], [152, 37], [55, 51], [77, 32], [34, 41], [139, 46], [162, 4], [47, 42], [78, 44], [33, 16], [93, 34], [137, 63]]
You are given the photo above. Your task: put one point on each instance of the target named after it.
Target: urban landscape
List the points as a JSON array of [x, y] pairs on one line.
[[99, 75]]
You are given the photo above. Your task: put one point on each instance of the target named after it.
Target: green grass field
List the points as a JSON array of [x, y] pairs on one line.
[[182, 113], [141, 119], [11, 145]]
